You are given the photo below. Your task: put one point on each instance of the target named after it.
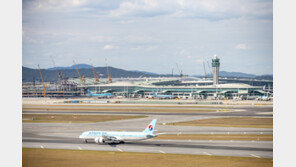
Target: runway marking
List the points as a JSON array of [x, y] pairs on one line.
[[79, 148], [255, 156], [207, 153], [162, 151], [245, 132], [42, 147], [119, 150]]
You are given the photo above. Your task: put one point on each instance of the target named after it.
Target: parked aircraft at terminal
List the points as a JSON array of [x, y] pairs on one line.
[[100, 95], [101, 137], [163, 96]]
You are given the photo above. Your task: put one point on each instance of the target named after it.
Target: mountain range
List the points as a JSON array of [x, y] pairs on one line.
[[50, 74]]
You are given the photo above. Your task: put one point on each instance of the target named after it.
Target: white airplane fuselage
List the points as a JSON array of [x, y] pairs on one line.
[[123, 136], [118, 136]]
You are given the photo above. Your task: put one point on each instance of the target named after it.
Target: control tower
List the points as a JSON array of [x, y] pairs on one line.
[[215, 66]]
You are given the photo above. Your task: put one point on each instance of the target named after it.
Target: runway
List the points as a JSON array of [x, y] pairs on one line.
[[262, 149], [65, 135]]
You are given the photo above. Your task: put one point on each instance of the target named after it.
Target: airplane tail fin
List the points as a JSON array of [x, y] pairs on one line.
[[89, 93], [150, 128]]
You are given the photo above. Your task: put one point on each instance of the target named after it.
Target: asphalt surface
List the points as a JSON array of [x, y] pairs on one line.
[[65, 135]]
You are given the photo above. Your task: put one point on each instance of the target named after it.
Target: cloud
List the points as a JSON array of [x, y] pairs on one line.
[[182, 52], [109, 47], [136, 48], [100, 39], [142, 8], [53, 4], [199, 60], [162, 28], [241, 46], [203, 9], [140, 39], [127, 21]]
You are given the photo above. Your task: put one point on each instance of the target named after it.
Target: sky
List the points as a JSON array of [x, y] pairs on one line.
[[150, 35]]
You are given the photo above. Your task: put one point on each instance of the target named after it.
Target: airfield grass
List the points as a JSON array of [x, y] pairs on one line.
[[248, 122], [35, 157], [261, 137], [65, 118]]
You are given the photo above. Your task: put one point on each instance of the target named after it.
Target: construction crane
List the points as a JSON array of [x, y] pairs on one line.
[[180, 71], [173, 72], [108, 73], [44, 91], [93, 69], [204, 69], [59, 74], [209, 67], [81, 79]]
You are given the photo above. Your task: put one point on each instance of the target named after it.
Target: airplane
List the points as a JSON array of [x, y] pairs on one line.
[[163, 96], [102, 137], [100, 95]]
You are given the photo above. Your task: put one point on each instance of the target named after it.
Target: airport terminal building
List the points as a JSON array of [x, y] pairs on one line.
[[178, 87], [183, 92]]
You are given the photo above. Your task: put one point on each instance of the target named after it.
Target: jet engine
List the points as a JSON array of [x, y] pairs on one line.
[[99, 140]]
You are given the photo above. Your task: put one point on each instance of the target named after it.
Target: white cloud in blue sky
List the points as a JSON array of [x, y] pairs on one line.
[[150, 35]]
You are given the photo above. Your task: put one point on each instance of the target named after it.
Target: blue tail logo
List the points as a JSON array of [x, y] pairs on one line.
[[150, 128]]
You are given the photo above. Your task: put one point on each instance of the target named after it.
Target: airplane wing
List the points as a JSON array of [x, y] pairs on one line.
[[159, 134], [154, 135], [111, 138]]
